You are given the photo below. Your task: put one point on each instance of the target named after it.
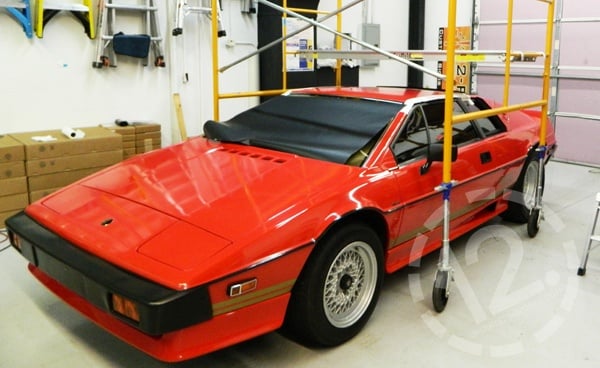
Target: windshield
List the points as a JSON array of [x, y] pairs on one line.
[[329, 128]]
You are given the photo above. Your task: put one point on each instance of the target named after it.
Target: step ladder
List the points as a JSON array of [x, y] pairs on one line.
[[21, 11], [47, 9], [202, 7], [593, 238], [109, 43]]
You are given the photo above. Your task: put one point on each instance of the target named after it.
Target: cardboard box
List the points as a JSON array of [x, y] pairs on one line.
[[128, 152], [11, 186], [36, 195], [59, 179], [97, 139], [129, 144], [6, 214], [127, 133], [14, 202], [11, 149], [146, 148], [12, 169], [74, 162], [147, 142], [141, 127]]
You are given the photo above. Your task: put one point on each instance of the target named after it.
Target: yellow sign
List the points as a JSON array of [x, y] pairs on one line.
[[462, 75]]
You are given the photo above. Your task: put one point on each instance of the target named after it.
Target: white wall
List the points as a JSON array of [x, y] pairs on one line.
[[49, 83]]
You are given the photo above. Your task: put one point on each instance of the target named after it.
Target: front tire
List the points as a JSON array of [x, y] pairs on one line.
[[338, 288]]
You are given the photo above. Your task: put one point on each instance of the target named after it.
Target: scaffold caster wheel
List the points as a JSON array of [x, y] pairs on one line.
[[441, 290], [533, 223]]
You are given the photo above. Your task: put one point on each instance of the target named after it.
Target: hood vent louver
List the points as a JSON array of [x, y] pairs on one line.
[[258, 156]]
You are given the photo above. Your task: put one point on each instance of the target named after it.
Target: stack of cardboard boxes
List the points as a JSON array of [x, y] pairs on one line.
[[138, 137], [35, 164], [127, 134], [13, 182], [147, 137], [53, 160]]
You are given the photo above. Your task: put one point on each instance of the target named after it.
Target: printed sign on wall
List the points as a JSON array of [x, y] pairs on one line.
[[462, 76], [302, 41]]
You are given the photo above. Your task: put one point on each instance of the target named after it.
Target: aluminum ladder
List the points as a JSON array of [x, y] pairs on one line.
[[202, 7], [108, 11], [47, 9], [21, 11], [593, 238]]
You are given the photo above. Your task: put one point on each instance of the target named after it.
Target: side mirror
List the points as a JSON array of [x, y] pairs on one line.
[[435, 153]]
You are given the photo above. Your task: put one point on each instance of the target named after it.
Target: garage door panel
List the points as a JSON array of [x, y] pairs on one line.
[[523, 89], [571, 140], [580, 9], [584, 52], [493, 37], [574, 102], [579, 96], [498, 10]]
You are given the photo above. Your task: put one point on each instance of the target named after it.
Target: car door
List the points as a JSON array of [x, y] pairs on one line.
[[474, 171]]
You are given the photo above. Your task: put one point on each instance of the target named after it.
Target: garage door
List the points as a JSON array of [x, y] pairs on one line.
[[575, 103]]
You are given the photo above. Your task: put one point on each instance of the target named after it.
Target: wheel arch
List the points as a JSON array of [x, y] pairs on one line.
[[368, 216]]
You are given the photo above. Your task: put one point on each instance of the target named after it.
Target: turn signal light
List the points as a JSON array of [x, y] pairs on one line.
[[15, 240], [242, 288], [125, 307]]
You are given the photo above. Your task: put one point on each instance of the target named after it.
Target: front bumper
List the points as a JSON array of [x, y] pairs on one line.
[[161, 310]]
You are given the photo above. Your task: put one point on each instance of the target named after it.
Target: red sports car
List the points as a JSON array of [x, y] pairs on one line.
[[286, 216]]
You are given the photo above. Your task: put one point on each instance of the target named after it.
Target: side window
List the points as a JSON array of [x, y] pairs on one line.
[[413, 138], [489, 126], [464, 132], [424, 125], [461, 132]]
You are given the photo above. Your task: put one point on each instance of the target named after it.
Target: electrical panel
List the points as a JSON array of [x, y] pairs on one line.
[[370, 33]]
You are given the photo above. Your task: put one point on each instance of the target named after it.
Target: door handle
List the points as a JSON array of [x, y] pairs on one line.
[[485, 157]]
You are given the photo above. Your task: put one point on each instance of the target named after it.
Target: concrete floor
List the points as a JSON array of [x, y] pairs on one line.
[[516, 302]]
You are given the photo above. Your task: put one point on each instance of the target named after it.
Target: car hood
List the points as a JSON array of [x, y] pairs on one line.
[[183, 205], [225, 189]]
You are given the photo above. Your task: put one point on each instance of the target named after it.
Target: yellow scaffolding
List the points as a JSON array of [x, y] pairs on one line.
[[441, 287], [217, 95]]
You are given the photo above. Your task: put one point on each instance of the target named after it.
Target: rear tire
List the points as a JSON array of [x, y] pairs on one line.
[[522, 197], [338, 288]]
